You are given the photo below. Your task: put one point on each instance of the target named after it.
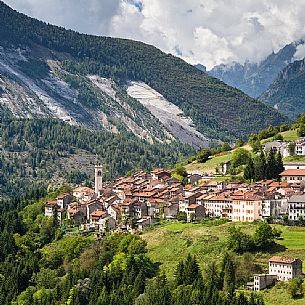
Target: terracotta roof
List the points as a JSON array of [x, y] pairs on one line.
[[280, 259], [84, 189], [98, 213], [52, 203], [293, 172], [193, 206], [62, 196]]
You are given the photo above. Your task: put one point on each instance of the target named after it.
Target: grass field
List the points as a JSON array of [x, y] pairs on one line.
[[289, 135], [171, 242], [209, 167]]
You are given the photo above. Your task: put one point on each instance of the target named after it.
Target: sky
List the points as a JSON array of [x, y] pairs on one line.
[[209, 32]]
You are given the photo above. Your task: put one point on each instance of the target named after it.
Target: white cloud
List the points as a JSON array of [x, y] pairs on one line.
[[200, 31], [300, 52]]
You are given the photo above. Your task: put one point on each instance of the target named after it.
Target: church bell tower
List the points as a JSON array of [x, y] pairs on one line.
[[98, 178]]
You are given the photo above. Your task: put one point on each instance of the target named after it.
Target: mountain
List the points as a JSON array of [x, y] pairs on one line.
[[254, 79], [117, 85], [46, 151], [287, 92]]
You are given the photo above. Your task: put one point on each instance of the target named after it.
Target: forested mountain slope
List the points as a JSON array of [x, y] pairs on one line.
[[43, 151], [287, 92], [83, 79]]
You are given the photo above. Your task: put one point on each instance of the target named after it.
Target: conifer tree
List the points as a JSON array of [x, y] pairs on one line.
[[249, 170], [279, 165], [271, 165], [260, 167]]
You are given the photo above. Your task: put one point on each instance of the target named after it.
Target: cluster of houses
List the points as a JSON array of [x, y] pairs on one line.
[[283, 147], [280, 269], [143, 198]]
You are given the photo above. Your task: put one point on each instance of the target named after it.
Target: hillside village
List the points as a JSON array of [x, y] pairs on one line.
[[137, 201]]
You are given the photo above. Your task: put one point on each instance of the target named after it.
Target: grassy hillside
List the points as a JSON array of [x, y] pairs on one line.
[[215, 161], [171, 242]]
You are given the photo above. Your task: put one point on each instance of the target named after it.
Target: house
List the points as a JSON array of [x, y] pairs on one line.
[[50, 209], [144, 222], [140, 209], [262, 281], [278, 146], [296, 207], [294, 165], [93, 206], [285, 268], [171, 210], [102, 220], [247, 208], [76, 215], [300, 147], [194, 212], [218, 206], [225, 167], [63, 200], [160, 174], [115, 212], [293, 175], [83, 193], [194, 178], [275, 207]]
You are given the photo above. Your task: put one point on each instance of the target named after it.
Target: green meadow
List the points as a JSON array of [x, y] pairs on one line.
[[170, 242]]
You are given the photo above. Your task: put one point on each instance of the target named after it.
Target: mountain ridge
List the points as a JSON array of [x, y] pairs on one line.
[[255, 78], [216, 110], [286, 93]]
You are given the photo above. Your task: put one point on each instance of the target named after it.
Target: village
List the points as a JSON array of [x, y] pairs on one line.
[[137, 201], [133, 203]]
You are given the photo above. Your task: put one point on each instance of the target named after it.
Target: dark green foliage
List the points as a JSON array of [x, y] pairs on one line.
[[33, 152], [256, 146], [34, 68], [225, 147], [263, 238], [228, 274], [181, 216], [291, 148], [260, 167], [249, 170], [295, 288], [217, 110], [238, 241], [239, 143], [240, 157], [301, 130], [204, 155], [271, 165], [278, 137]]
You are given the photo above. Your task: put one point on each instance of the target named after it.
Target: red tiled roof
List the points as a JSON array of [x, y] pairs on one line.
[[98, 213], [293, 172], [193, 206], [280, 259]]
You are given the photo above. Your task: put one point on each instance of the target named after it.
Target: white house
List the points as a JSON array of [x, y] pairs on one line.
[[296, 207], [300, 147], [278, 146], [293, 175], [285, 268]]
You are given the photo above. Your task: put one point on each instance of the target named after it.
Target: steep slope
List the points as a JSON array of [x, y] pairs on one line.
[[287, 93], [216, 110], [254, 79], [44, 151]]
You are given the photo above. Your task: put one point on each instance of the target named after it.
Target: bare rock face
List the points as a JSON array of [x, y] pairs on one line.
[[170, 115]]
